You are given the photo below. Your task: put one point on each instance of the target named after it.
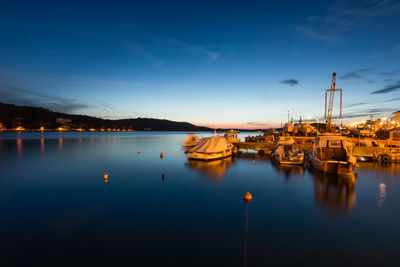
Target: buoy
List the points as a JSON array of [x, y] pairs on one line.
[[139, 151], [106, 178], [161, 155], [247, 197], [162, 176]]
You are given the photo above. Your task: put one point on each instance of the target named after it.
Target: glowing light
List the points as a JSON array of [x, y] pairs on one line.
[[363, 122], [20, 128], [42, 128], [384, 118], [60, 129]]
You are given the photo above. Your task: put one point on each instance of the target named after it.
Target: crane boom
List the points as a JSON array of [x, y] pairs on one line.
[[329, 108]]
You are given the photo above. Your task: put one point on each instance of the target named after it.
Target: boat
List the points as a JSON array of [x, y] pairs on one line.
[[285, 140], [231, 136], [212, 148], [190, 141], [289, 154], [333, 154]]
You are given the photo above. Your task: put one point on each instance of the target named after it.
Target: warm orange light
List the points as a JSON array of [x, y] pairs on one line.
[[42, 128], [60, 129], [102, 130], [20, 128], [109, 129], [92, 129]]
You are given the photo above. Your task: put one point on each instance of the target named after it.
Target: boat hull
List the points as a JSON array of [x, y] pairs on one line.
[[287, 162], [209, 157], [332, 167]]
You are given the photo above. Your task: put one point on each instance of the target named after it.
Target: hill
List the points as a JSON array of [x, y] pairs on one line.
[[13, 116]]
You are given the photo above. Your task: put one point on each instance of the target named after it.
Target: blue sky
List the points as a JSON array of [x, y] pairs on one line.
[[216, 63]]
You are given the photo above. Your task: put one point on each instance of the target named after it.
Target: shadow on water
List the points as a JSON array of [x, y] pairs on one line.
[[334, 193]]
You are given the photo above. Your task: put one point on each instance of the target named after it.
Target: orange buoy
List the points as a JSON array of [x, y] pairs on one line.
[[161, 155], [139, 151], [247, 197], [106, 178]]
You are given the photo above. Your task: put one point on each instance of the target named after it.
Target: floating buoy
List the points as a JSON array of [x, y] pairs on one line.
[[162, 176], [247, 197], [106, 178], [139, 151], [161, 155]]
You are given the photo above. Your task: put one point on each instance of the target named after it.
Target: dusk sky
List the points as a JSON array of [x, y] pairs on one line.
[[213, 63]]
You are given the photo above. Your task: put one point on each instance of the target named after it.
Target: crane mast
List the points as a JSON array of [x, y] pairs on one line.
[[329, 108]]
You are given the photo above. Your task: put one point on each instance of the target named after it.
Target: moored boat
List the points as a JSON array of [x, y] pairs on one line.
[[288, 155], [333, 154], [190, 141], [211, 148]]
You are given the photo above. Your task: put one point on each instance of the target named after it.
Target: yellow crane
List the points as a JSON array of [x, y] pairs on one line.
[[329, 109]]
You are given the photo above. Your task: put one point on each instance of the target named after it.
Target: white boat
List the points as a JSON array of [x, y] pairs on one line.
[[288, 155], [333, 154], [211, 148], [190, 141]]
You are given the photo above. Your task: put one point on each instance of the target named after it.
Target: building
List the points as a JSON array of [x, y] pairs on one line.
[[397, 114]]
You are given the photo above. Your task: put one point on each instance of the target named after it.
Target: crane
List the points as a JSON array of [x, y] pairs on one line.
[[329, 109]]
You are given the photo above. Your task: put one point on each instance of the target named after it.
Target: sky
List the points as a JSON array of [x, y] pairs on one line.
[[243, 64]]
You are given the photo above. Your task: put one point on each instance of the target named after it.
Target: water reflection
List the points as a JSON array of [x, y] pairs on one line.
[[381, 195], [214, 169], [42, 145], [289, 170], [60, 143], [334, 193], [19, 146]]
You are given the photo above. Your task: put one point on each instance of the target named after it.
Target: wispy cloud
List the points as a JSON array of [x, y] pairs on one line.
[[388, 89], [290, 82], [364, 113], [355, 74], [345, 16], [193, 49], [144, 52], [20, 96]]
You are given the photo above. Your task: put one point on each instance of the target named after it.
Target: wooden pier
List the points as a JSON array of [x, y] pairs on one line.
[[268, 147]]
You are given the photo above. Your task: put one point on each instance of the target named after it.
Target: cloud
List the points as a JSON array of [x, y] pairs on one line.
[[20, 96], [363, 113], [194, 49], [355, 74], [144, 53], [390, 73], [388, 89], [345, 16], [357, 104], [290, 82]]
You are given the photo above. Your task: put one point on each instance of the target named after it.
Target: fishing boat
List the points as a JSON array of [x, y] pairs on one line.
[[212, 148], [333, 154], [190, 141], [289, 154]]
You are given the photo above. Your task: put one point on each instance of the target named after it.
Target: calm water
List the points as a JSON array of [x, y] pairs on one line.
[[57, 209]]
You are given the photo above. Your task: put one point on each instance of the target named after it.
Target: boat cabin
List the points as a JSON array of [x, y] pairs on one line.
[[231, 136], [332, 148]]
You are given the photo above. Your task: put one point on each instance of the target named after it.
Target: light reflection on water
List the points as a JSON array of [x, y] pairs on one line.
[[56, 202]]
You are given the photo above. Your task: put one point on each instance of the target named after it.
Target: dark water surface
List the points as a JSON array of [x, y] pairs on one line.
[[57, 210]]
